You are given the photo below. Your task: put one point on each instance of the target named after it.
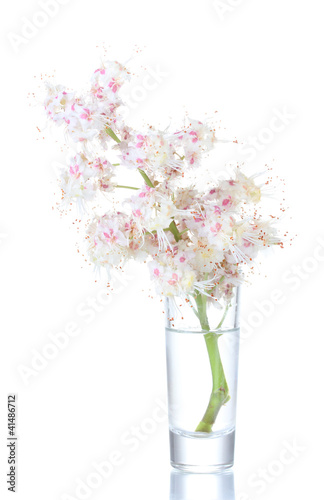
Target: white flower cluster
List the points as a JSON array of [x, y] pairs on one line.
[[194, 241]]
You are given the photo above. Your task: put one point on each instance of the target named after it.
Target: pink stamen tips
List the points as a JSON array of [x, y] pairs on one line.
[[226, 201], [133, 245], [114, 85], [86, 115], [141, 140], [74, 170], [216, 228], [174, 279], [195, 138]]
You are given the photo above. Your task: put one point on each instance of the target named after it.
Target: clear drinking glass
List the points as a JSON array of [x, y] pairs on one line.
[[202, 370]]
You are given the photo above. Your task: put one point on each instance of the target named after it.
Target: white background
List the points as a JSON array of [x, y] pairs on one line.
[[249, 62]]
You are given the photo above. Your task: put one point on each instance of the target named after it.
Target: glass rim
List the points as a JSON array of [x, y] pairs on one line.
[[220, 331]]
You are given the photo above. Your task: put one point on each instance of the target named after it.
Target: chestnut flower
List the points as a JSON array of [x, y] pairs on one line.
[[195, 241]]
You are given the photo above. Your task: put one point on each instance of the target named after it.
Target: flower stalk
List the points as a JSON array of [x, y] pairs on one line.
[[175, 231], [220, 391], [127, 187], [146, 179], [112, 134]]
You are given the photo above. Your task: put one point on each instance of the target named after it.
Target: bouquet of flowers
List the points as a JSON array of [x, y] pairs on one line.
[[195, 242]]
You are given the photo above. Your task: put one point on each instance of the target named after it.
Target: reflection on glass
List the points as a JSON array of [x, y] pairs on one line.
[[186, 486]]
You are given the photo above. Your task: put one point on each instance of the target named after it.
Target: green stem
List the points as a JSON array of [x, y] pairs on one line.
[[145, 177], [112, 134], [126, 187], [220, 391], [175, 231]]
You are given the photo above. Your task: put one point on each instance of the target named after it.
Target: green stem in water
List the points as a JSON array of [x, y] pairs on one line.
[[220, 391]]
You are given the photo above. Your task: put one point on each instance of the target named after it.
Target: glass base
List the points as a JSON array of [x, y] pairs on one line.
[[217, 486], [202, 453]]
